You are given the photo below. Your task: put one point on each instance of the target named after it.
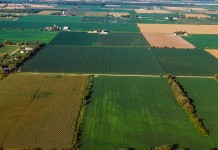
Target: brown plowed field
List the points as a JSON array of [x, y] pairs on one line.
[[184, 8], [151, 11], [39, 110], [171, 28], [213, 52], [167, 40]]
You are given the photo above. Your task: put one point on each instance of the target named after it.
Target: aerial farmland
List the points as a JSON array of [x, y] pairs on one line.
[[108, 75]]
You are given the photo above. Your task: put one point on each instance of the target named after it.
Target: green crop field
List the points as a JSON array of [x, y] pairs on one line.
[[8, 49], [109, 19], [74, 38], [204, 94], [186, 62], [87, 39], [50, 18], [139, 113], [203, 40], [71, 59], [75, 26], [16, 36]]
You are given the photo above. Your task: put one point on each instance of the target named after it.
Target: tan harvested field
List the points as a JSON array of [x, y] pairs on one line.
[[199, 16], [207, 12], [184, 8], [41, 6], [93, 14], [171, 28], [161, 40], [39, 110], [118, 14], [213, 52], [46, 12], [140, 11]]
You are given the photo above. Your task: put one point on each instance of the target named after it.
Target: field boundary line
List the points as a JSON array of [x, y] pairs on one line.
[[115, 75]]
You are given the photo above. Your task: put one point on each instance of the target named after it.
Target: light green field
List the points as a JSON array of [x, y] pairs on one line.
[[137, 112], [204, 95], [8, 49], [31, 36]]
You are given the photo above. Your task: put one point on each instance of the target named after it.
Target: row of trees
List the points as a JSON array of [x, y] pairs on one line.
[[6, 42], [85, 101], [187, 105]]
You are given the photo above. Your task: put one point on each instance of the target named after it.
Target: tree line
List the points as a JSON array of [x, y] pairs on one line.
[[186, 104], [10, 63]]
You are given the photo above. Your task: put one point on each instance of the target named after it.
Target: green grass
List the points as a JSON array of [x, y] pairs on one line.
[[16, 36], [75, 26], [186, 62], [204, 94], [8, 49], [72, 59], [87, 39], [203, 40], [137, 112], [50, 18]]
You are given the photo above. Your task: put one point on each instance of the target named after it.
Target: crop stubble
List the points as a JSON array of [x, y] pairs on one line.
[[167, 40], [171, 28], [39, 110]]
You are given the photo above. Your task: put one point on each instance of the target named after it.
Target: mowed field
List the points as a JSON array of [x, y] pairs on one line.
[[171, 28], [167, 40], [40, 110], [8, 49], [137, 112], [31, 36], [186, 62], [203, 40], [71, 59], [92, 39], [204, 94]]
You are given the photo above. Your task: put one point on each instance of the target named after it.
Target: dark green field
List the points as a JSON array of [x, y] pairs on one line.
[[137, 112], [31, 36], [109, 19], [203, 40], [50, 18], [75, 26], [186, 62], [92, 39], [71, 59]]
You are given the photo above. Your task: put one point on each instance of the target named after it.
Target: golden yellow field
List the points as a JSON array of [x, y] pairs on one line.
[[140, 11], [199, 16], [171, 28], [213, 52], [161, 40], [47, 12], [118, 14], [40, 110]]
